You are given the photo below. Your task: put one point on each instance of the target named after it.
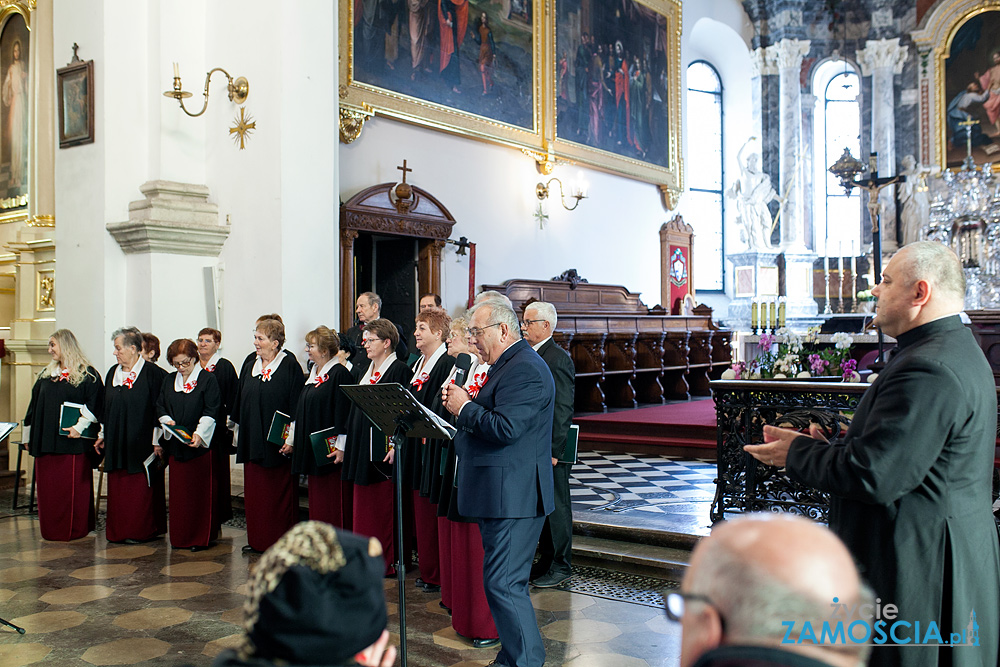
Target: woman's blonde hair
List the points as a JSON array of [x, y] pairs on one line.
[[73, 358]]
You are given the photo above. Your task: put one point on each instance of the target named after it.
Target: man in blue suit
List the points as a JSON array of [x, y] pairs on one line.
[[505, 471]]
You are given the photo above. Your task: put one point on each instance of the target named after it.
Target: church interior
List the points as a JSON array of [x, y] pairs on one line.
[[680, 179]]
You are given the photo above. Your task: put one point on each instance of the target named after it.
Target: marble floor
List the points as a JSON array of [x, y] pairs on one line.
[[90, 603]]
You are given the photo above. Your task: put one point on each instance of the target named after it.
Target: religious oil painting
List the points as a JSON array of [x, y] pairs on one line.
[[75, 88], [450, 61], [616, 85], [14, 114], [971, 102]]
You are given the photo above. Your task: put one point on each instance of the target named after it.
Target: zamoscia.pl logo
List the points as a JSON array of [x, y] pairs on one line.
[[876, 625]]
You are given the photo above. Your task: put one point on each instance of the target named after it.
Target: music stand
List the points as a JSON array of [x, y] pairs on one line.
[[393, 409]]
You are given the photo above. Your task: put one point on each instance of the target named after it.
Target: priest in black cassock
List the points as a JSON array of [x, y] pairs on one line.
[[366, 464], [268, 390], [321, 417], [222, 369], [137, 509], [421, 465], [62, 467], [189, 400], [910, 481]]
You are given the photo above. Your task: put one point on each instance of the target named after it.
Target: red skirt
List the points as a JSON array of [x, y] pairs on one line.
[[65, 496], [373, 517], [192, 502], [444, 552], [470, 613], [269, 495], [331, 499], [425, 516], [137, 510]]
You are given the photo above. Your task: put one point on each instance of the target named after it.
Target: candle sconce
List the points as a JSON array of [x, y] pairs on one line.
[[238, 89], [578, 192]]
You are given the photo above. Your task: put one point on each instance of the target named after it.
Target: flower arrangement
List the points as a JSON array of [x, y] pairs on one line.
[[786, 354]]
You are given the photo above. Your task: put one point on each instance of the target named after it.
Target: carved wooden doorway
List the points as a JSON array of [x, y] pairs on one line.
[[386, 221]]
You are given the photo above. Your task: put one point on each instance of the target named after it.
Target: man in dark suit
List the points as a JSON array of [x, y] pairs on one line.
[[556, 544], [368, 309], [910, 480], [505, 471]]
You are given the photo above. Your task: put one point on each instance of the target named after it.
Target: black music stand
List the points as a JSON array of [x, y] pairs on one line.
[[393, 409]]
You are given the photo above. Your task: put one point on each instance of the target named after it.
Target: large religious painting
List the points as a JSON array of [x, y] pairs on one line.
[[971, 104], [15, 111], [464, 65]]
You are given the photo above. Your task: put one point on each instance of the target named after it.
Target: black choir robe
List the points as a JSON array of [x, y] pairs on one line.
[[186, 409], [129, 417], [47, 396], [360, 358], [358, 465], [423, 459], [320, 407], [226, 378], [256, 403]]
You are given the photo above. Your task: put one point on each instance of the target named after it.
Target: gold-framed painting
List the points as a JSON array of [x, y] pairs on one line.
[[969, 97], [470, 67], [517, 72], [15, 110], [616, 87]]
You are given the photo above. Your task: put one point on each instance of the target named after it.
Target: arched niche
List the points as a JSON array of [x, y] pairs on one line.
[[376, 210]]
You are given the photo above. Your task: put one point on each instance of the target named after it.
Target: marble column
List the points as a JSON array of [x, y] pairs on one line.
[[881, 59], [761, 64], [788, 54]]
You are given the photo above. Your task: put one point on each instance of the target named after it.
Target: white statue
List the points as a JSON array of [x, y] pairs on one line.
[[752, 193], [913, 200]]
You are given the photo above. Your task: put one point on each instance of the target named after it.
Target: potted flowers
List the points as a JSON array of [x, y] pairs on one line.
[[787, 354]]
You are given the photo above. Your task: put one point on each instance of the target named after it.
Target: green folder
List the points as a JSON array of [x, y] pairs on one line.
[[323, 443], [69, 415], [279, 428], [572, 444], [178, 432]]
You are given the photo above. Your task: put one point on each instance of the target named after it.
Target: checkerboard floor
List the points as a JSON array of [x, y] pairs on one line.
[[602, 481]]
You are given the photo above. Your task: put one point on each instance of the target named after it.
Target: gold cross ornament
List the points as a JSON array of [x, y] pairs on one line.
[[245, 124]]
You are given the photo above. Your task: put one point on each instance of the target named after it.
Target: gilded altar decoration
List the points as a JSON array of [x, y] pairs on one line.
[[15, 87], [352, 121], [528, 74], [243, 126], [46, 291]]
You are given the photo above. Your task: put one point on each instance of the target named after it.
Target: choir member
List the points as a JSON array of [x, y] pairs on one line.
[[366, 464], [343, 357], [137, 510], [222, 442], [251, 358], [422, 460], [62, 466], [460, 543], [151, 354], [189, 400], [268, 387], [322, 413]]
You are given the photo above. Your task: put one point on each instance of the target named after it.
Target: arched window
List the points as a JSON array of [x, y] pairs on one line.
[[838, 126], [704, 204]]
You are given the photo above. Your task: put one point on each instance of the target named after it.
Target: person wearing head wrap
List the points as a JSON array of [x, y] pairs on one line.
[[315, 598]]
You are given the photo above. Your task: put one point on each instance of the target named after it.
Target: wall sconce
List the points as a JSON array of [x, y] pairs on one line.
[[579, 192], [238, 89]]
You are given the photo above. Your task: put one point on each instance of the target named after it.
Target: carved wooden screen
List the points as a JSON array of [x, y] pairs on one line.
[[378, 210], [676, 261]]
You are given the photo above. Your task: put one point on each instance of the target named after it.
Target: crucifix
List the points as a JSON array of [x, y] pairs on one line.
[[967, 124], [403, 192], [404, 169], [76, 58]]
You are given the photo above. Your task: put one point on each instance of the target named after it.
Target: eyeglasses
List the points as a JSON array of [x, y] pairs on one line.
[[369, 341], [182, 363], [525, 323], [476, 332], [674, 603]]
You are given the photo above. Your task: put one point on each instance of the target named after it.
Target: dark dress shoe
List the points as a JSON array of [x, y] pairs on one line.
[[442, 605], [129, 540], [431, 588], [552, 579], [197, 548], [486, 643], [247, 549]]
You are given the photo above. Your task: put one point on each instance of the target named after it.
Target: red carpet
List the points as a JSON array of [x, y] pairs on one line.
[[683, 429]]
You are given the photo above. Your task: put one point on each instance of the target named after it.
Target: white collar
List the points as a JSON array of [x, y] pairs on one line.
[[258, 366], [192, 379], [536, 347], [381, 370], [468, 376], [210, 366], [120, 373], [426, 364], [313, 374]]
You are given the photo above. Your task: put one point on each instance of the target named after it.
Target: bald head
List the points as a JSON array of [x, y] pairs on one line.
[[922, 282], [761, 570], [939, 265]]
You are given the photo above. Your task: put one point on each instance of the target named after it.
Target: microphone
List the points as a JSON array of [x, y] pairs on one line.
[[463, 363]]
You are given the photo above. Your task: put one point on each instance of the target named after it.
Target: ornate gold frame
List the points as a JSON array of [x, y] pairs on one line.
[[359, 102], [7, 9]]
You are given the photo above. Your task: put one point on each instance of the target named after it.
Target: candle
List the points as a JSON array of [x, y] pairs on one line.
[[781, 313], [840, 270], [753, 314], [177, 72], [854, 271], [770, 315]]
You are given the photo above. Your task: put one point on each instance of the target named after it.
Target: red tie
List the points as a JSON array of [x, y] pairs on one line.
[[265, 375], [189, 387], [375, 378], [63, 375], [419, 382], [320, 379], [129, 380]]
